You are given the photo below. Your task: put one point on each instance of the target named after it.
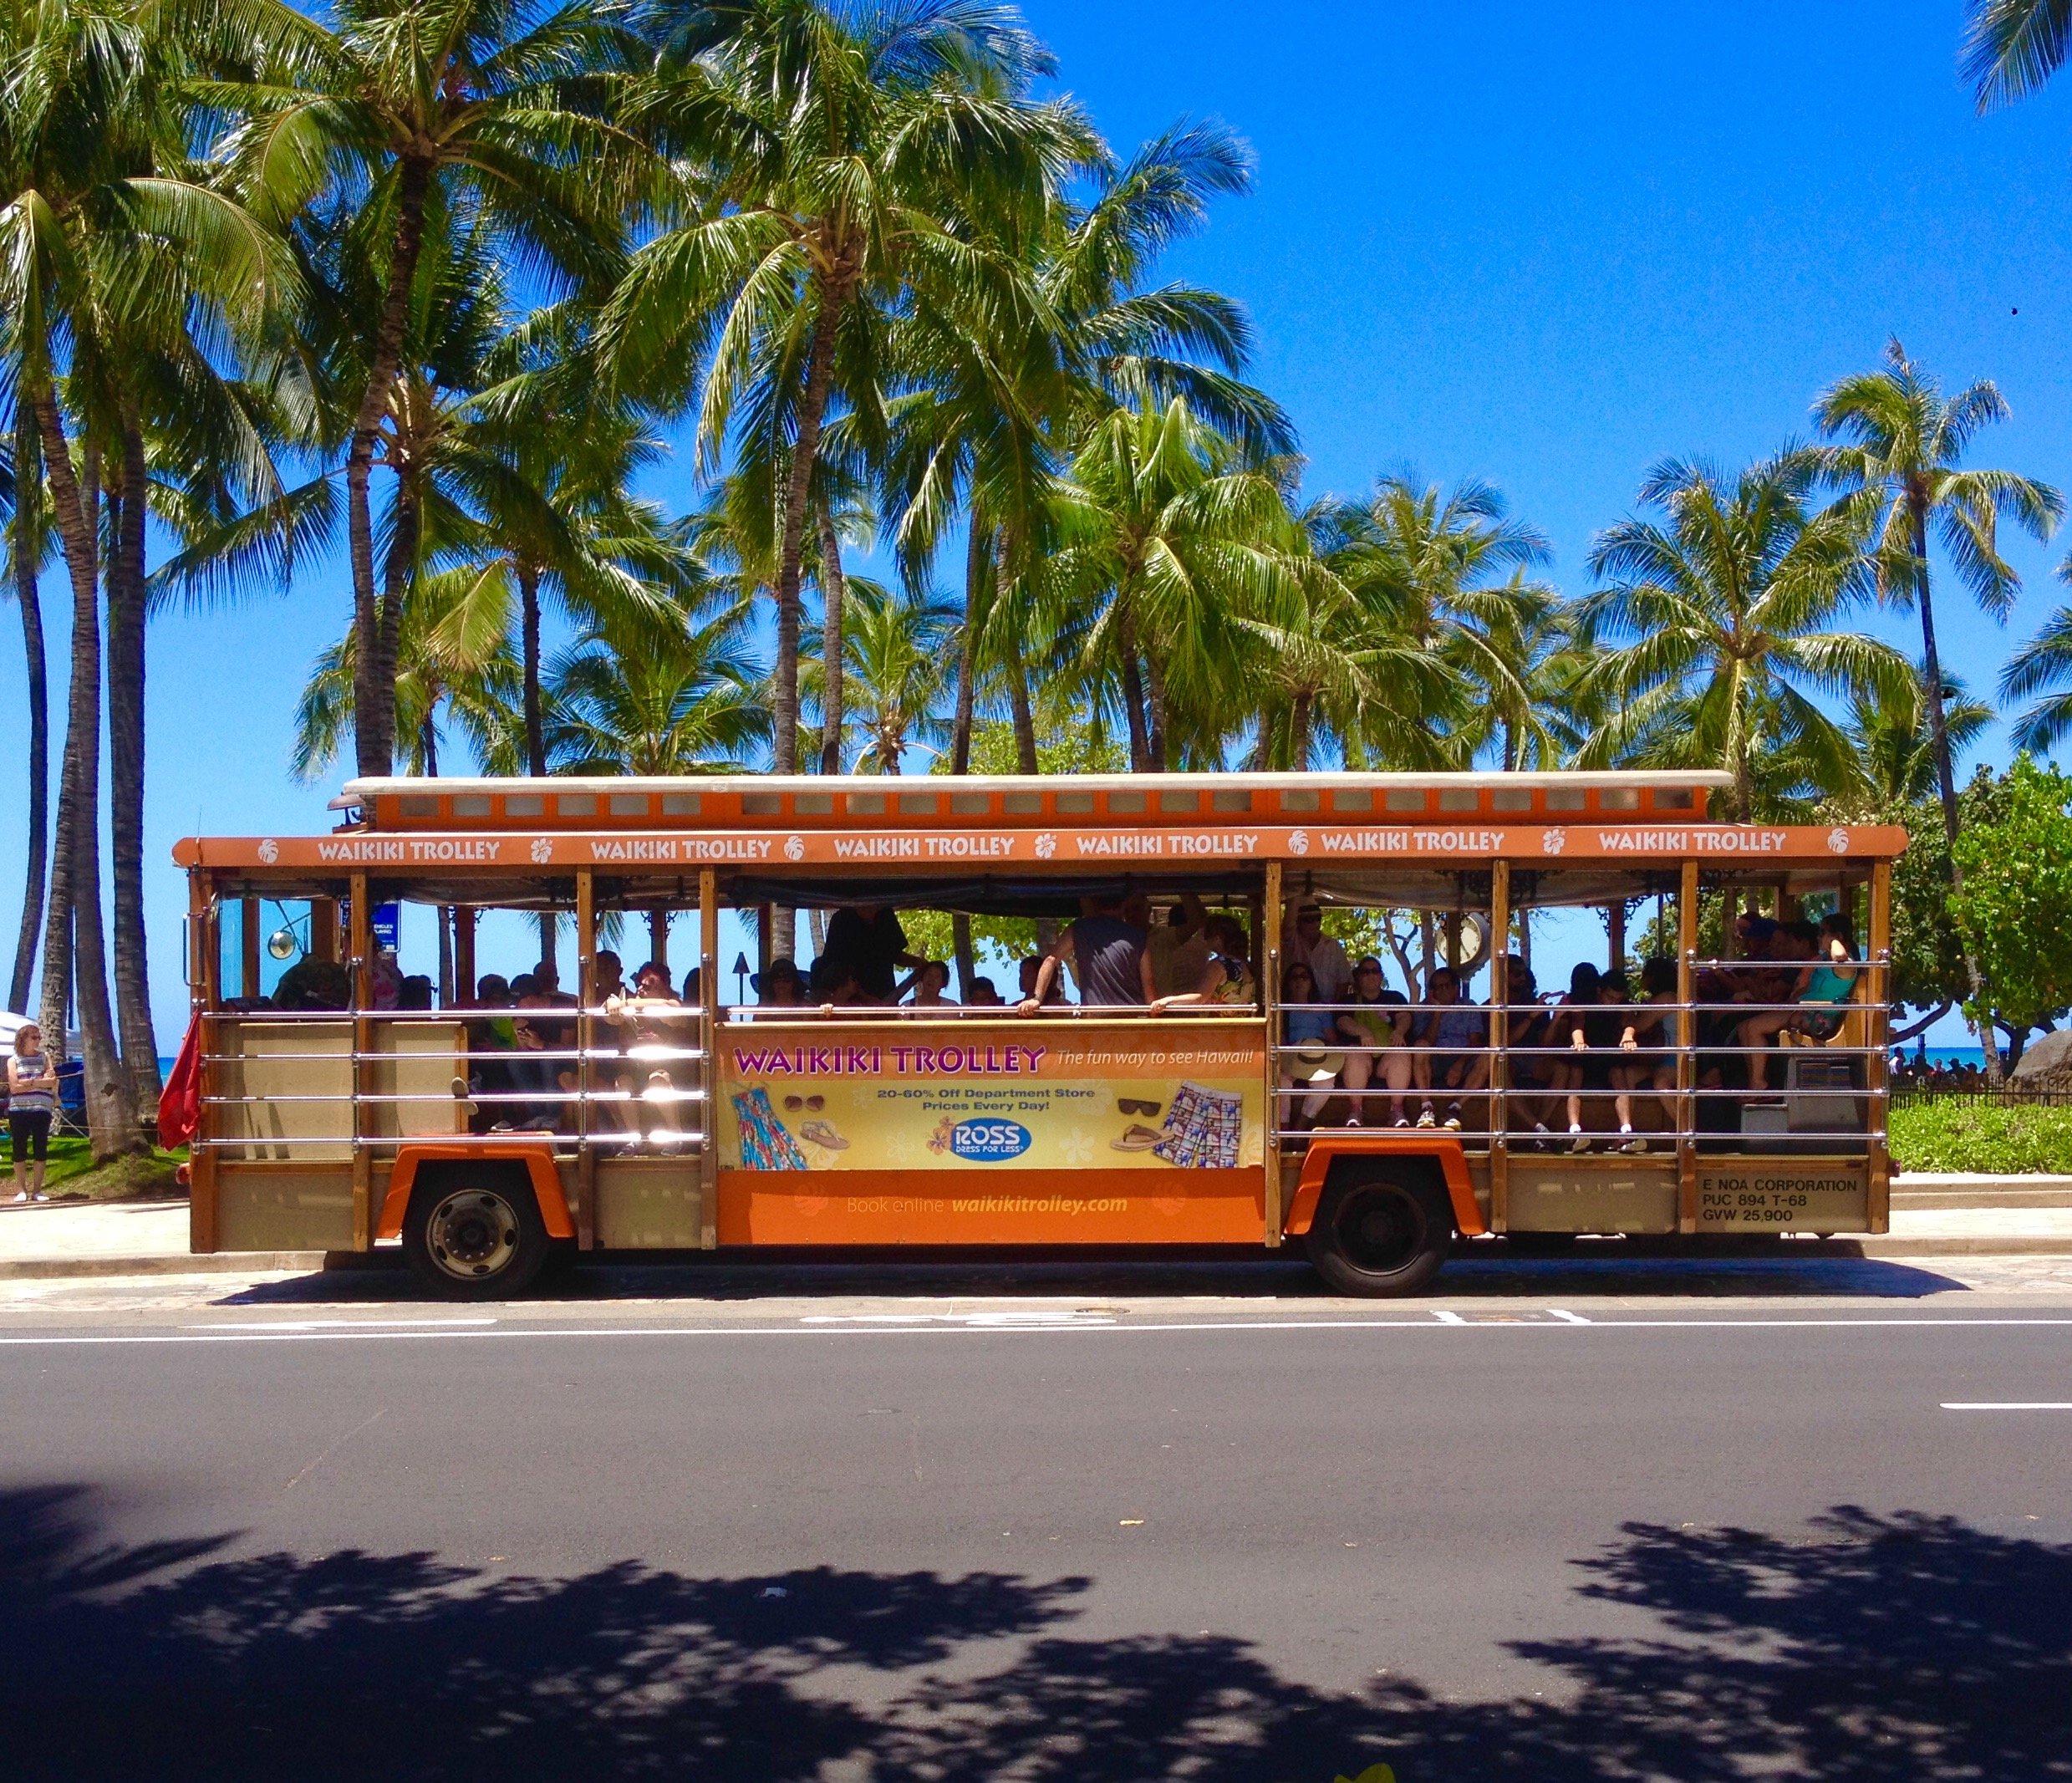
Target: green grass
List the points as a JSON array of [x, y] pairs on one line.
[[2002, 1141], [73, 1173]]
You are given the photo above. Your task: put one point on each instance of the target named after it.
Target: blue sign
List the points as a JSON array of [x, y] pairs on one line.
[[387, 928], [988, 1142]]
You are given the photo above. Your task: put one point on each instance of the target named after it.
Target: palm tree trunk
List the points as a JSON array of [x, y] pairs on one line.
[[125, 763], [1946, 786], [529, 637], [1018, 710], [1133, 697], [398, 575], [110, 1103], [833, 591], [374, 697], [1299, 731], [1154, 685], [977, 546], [805, 450], [28, 551], [534, 717]]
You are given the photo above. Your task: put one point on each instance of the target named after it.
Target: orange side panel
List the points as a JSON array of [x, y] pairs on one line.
[[1416, 1143], [539, 1162], [982, 1207]]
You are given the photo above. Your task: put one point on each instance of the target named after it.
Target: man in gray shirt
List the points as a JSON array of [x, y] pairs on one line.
[[1108, 956]]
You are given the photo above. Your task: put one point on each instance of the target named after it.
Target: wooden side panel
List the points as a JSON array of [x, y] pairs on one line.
[[648, 1204], [1633, 1195], [263, 1207], [289, 1086]]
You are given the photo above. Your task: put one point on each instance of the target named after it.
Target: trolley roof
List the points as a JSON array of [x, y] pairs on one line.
[[987, 842]]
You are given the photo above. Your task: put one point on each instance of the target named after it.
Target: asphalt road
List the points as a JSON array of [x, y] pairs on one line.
[[1078, 1525]]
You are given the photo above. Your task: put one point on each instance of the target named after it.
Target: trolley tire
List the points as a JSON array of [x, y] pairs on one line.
[[474, 1231], [1378, 1237]]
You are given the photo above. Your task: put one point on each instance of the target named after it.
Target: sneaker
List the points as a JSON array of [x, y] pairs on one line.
[[1634, 1143], [1424, 1116], [1579, 1141], [1402, 1120], [1453, 1118], [1353, 1120], [20, 1197]]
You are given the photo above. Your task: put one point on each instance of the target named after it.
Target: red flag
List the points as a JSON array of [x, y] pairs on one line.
[[180, 1105]]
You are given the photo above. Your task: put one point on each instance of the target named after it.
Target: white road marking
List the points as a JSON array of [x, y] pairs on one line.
[[2007, 1405], [1449, 1318], [350, 1333], [1566, 1316], [332, 1324]]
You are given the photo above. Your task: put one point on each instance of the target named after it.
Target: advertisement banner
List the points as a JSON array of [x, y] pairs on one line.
[[1001, 1096]]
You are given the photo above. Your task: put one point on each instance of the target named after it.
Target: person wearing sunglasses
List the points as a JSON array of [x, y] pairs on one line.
[[1304, 938]]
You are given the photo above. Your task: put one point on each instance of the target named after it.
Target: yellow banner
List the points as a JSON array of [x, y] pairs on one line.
[[1026, 1095]]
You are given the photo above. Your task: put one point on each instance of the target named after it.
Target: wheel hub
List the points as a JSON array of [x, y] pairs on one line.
[[473, 1235]]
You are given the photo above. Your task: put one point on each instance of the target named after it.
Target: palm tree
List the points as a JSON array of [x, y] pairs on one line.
[[899, 669], [1892, 741], [858, 156], [26, 543], [1727, 599], [2013, 47], [1167, 538], [1906, 441], [2040, 671], [1442, 570], [455, 654], [107, 242], [620, 707], [494, 111]]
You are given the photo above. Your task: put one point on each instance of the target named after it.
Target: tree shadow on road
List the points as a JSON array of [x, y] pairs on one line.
[[1870, 1647]]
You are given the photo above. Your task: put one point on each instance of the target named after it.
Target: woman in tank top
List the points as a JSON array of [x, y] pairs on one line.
[[32, 1106]]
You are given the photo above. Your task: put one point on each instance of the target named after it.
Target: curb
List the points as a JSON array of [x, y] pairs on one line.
[[219, 1263]]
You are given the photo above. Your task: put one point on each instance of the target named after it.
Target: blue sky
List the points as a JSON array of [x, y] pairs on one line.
[[1543, 246]]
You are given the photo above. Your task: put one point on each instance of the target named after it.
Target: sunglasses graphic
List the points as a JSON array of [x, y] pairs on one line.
[[1127, 1107], [812, 1104]]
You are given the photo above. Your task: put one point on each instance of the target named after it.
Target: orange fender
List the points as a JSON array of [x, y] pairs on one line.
[[539, 1164], [1415, 1142]]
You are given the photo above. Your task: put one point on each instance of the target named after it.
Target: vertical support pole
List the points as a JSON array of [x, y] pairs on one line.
[[464, 954], [709, 1041], [1500, 1046], [205, 991], [586, 1075], [1616, 928], [362, 959], [324, 928], [1877, 1030], [1269, 951], [1687, 1046], [1729, 915], [248, 946]]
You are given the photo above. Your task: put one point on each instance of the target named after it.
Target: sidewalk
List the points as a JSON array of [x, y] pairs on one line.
[[119, 1238], [149, 1238]]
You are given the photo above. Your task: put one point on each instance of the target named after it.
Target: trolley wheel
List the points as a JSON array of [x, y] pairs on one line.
[[476, 1233], [1377, 1236]]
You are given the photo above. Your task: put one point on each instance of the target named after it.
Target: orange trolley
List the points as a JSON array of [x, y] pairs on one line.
[[485, 1138]]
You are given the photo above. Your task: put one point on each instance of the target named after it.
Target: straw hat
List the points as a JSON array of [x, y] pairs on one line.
[[1317, 1063]]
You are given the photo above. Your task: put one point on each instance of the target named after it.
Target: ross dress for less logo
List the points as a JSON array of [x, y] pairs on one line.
[[988, 1142]]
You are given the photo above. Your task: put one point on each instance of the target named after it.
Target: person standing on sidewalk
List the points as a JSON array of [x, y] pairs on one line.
[[32, 1106]]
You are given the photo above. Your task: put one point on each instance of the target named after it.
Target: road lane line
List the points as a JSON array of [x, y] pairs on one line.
[[247, 1334], [1566, 1316], [2007, 1405], [1449, 1318]]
